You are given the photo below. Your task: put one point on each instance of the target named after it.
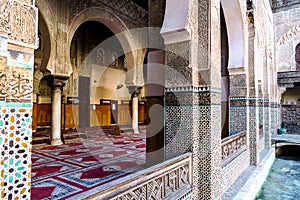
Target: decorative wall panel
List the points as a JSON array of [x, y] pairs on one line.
[[253, 112], [238, 115], [267, 124], [17, 148], [24, 24], [179, 129], [5, 16]]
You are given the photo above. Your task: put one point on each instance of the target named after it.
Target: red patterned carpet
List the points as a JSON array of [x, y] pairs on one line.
[[65, 171]]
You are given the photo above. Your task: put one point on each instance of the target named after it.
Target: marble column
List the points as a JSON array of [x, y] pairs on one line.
[[57, 83], [135, 113], [56, 116]]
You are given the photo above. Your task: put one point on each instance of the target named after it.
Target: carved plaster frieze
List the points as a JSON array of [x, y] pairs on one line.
[[289, 35], [5, 16], [124, 8], [23, 24], [30, 2]]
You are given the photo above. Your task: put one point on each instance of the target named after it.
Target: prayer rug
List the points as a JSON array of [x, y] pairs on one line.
[[65, 171]]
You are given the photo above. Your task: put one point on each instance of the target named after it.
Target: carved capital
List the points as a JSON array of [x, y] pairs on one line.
[[134, 90], [57, 81]]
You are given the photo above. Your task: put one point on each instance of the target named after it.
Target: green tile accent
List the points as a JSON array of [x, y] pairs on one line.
[[2, 103], [17, 105], [13, 105], [21, 168], [18, 175], [11, 161], [26, 105], [19, 64], [18, 163], [11, 179]]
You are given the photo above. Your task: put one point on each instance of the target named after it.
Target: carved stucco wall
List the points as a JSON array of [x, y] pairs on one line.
[[287, 36]]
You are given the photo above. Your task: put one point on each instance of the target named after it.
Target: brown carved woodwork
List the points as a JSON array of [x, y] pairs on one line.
[[124, 114], [44, 115]]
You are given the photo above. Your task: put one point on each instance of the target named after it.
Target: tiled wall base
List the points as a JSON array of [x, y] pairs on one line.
[[232, 171], [16, 157]]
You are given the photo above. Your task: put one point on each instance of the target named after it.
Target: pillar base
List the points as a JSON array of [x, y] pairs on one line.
[[135, 130], [56, 142]]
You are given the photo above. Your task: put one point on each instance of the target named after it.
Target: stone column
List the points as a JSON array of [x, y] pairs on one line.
[[253, 129], [193, 91], [252, 92], [155, 88], [57, 83], [266, 120], [134, 91], [135, 113], [56, 116]]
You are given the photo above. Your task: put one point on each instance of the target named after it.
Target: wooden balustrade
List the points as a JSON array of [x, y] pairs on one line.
[[233, 146], [169, 180]]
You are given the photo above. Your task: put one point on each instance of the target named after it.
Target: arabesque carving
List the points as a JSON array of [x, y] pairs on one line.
[[5, 12], [24, 23]]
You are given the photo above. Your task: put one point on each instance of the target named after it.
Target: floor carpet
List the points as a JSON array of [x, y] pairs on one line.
[[64, 171]]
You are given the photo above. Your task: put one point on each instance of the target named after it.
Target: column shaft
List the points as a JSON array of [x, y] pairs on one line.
[[135, 113], [56, 117]]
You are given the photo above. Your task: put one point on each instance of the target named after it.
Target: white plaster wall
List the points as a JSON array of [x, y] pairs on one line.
[[104, 82], [235, 30]]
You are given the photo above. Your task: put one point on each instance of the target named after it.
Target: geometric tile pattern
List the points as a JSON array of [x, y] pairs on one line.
[[178, 130], [238, 115], [194, 124], [15, 121], [266, 128], [231, 172], [17, 147], [253, 120], [207, 152]]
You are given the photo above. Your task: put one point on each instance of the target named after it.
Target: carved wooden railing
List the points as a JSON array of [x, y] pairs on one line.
[[169, 180], [233, 146]]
